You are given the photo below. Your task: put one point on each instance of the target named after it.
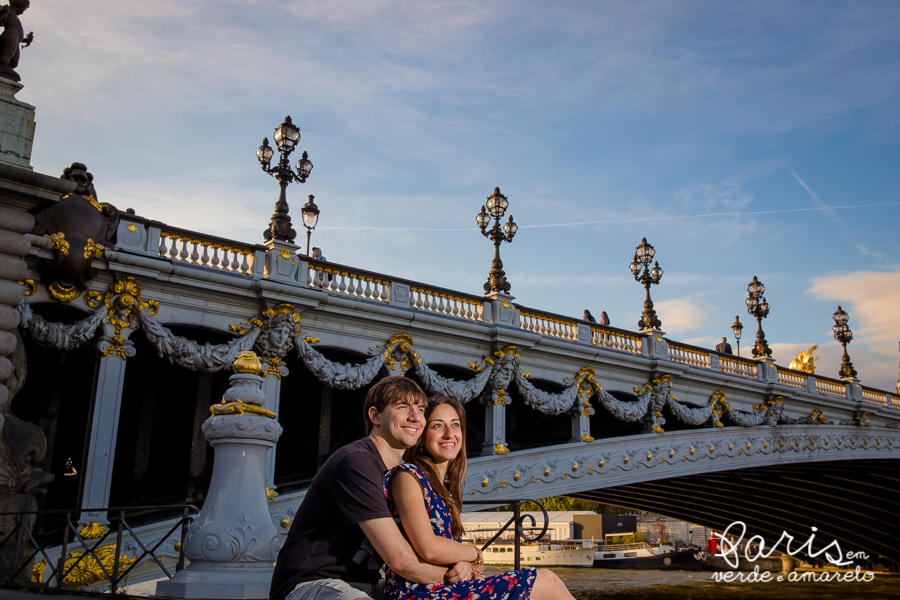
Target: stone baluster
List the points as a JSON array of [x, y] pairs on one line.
[[233, 542]]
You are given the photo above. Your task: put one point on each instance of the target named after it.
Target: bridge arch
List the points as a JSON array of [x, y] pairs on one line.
[[787, 478]]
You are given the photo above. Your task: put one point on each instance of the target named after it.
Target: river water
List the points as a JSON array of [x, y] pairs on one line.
[[605, 584]]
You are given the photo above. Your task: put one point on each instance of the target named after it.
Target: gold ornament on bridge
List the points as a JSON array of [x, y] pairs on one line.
[[239, 409], [30, 286], [805, 361], [282, 309], [92, 531], [63, 293], [87, 570], [400, 347], [123, 303], [93, 250], [817, 417], [58, 242], [247, 362]]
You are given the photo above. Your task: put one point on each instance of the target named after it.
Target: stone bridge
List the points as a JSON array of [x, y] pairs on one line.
[[124, 365]]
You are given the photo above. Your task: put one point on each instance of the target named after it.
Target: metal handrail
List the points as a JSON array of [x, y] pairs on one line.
[[518, 519], [117, 517]]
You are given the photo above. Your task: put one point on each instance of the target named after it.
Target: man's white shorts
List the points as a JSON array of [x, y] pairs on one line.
[[327, 589]]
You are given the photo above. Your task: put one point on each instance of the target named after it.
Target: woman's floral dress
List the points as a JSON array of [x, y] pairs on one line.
[[512, 585]]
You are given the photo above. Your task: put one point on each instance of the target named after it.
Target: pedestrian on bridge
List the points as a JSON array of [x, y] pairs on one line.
[[724, 347], [604, 318], [588, 317]]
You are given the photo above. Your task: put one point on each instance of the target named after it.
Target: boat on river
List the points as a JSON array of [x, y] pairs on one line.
[[563, 553], [645, 556]]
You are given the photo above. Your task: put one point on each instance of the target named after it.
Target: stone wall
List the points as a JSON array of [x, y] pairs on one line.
[[22, 444]]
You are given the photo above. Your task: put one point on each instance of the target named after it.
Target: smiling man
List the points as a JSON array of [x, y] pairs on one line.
[[343, 528]]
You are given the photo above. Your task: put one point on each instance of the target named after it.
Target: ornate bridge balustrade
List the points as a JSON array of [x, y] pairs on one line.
[[169, 309]]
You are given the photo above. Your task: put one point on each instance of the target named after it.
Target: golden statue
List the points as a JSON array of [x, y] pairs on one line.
[[805, 361]]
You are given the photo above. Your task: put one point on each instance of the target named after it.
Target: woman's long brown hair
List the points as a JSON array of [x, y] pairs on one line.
[[452, 492]]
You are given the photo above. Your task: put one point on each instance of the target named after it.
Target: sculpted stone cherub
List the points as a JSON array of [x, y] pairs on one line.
[[12, 36]]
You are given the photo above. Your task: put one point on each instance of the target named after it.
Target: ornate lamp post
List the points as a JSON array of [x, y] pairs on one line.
[[843, 334], [310, 214], [286, 138], [496, 207], [759, 308], [737, 327], [640, 268]]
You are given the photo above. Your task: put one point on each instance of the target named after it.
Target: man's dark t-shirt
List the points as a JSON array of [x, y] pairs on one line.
[[325, 540]]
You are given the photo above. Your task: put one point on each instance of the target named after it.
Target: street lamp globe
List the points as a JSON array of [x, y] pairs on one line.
[[756, 289], [656, 272], [264, 153], [287, 136], [304, 167], [645, 252], [635, 267], [497, 203], [737, 327], [841, 317], [482, 219], [510, 228], [310, 212]]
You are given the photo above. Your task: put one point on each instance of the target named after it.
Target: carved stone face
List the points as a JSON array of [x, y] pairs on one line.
[[277, 336], [504, 370]]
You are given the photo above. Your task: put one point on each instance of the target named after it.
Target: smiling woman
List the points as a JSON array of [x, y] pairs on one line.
[[425, 496]]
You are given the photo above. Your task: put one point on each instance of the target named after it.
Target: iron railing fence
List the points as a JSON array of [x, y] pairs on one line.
[[95, 556], [518, 519]]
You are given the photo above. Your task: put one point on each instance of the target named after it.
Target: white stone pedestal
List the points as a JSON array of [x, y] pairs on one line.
[[233, 543], [16, 126]]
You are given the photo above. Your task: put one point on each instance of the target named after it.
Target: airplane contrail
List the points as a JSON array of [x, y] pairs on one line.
[[642, 219]]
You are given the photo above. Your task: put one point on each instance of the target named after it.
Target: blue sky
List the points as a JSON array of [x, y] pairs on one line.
[[720, 131]]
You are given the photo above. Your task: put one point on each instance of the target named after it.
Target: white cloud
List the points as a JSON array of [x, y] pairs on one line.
[[683, 314], [872, 299]]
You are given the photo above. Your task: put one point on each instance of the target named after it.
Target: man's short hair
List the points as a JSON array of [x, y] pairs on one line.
[[392, 390]]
